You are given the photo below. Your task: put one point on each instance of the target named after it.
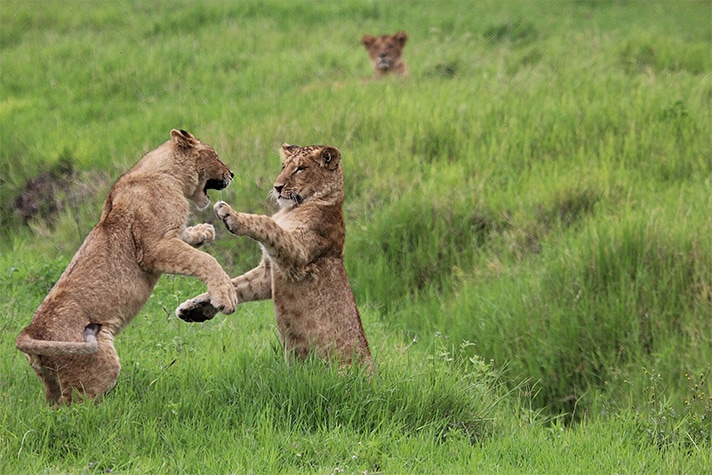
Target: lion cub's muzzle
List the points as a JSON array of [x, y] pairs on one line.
[[384, 63], [214, 184]]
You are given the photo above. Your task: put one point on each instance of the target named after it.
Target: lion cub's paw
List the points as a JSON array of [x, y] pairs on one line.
[[222, 209], [224, 298], [199, 234], [197, 309], [226, 214]]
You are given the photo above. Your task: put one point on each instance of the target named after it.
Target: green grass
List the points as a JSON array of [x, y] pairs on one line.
[[529, 233]]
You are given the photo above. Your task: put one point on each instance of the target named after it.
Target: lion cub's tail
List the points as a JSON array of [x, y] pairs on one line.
[[33, 346]]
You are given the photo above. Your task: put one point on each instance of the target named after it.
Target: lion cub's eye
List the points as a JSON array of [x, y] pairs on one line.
[[300, 169]]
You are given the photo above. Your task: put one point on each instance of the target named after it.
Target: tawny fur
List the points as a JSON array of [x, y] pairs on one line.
[[386, 53], [141, 234], [302, 268]]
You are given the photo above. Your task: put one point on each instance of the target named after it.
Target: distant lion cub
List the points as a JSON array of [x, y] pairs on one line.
[[302, 269], [141, 234], [386, 53]]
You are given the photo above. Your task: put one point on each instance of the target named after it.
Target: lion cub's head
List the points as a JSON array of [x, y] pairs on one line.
[[206, 170], [386, 53], [309, 174]]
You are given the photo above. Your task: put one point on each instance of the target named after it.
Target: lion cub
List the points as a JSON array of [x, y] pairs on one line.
[[386, 53], [302, 269], [141, 234]]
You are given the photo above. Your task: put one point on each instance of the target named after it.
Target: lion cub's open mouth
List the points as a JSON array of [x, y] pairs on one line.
[[213, 184]]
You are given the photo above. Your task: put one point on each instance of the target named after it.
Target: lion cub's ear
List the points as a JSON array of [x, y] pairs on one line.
[[368, 41], [330, 157], [401, 37], [286, 150], [183, 139]]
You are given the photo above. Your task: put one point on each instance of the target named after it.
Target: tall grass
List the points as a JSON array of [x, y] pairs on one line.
[[528, 232]]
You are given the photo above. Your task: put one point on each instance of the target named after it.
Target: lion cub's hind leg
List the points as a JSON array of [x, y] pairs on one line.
[[53, 391], [90, 375], [48, 368]]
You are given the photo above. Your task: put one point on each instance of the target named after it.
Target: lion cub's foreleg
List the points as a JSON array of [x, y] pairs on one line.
[[288, 253], [173, 256], [250, 286], [256, 284]]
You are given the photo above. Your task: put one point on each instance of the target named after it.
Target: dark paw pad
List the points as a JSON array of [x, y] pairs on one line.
[[197, 313]]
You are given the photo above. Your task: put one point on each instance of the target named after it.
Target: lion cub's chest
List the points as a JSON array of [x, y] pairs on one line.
[[298, 261], [288, 220]]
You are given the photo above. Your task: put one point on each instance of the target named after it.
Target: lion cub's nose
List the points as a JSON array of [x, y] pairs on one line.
[[278, 188]]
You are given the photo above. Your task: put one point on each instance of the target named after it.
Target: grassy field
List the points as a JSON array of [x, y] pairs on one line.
[[529, 232]]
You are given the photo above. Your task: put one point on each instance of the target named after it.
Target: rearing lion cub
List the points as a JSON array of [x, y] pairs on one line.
[[302, 269], [141, 234]]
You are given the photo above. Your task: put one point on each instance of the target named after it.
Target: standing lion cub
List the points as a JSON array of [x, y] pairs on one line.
[[302, 268], [141, 234]]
